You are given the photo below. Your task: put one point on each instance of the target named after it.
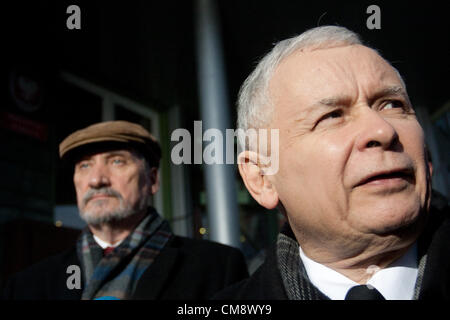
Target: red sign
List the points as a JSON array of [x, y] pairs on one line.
[[25, 126]]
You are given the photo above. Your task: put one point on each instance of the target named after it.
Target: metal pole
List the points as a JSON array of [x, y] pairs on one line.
[[220, 181]]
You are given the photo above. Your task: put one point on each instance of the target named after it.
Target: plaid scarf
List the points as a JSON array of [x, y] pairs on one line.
[[118, 273]]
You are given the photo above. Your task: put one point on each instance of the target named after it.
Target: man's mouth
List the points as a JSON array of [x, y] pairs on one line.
[[388, 177], [99, 196], [103, 193]]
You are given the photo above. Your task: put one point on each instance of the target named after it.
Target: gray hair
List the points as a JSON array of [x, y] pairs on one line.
[[254, 102]]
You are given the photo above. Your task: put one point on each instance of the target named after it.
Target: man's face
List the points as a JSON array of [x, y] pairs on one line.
[[351, 148], [111, 186]]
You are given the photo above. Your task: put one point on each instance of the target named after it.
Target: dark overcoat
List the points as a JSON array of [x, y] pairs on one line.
[[184, 269]]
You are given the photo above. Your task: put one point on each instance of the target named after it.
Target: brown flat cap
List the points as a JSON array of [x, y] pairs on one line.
[[121, 133]]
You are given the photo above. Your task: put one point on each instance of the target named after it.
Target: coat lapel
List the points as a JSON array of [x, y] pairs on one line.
[[152, 282], [56, 279], [436, 279]]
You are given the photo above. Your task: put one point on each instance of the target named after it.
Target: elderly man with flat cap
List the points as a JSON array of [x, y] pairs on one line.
[[353, 180], [127, 251]]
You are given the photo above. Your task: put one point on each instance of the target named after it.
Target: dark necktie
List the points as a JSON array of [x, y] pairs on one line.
[[363, 292], [107, 250]]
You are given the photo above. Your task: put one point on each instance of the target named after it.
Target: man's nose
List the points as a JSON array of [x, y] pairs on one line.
[[375, 131], [99, 176]]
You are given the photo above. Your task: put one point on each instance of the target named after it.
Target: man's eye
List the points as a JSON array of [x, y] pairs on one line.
[[392, 104], [83, 165], [118, 161], [332, 115]]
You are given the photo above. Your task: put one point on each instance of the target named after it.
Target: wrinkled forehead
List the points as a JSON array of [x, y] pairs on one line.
[[104, 150], [354, 69]]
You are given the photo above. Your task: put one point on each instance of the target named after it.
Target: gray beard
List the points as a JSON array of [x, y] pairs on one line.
[[116, 215]]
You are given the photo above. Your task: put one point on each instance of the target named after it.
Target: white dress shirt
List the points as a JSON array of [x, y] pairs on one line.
[[105, 244], [395, 282]]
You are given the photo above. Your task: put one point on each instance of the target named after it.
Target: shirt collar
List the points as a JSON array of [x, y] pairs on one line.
[[104, 244], [395, 282]]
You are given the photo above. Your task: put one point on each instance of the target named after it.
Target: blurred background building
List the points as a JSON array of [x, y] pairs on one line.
[[166, 64]]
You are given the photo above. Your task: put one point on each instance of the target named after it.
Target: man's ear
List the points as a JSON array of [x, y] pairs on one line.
[[257, 183], [154, 180]]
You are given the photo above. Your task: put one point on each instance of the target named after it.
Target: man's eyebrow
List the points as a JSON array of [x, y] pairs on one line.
[[107, 155], [334, 101], [389, 91], [321, 104], [83, 158], [116, 153], [343, 100]]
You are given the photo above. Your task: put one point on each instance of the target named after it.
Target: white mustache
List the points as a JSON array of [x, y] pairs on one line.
[[104, 191]]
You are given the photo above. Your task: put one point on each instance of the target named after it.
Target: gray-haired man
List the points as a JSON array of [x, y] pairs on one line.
[[353, 180], [127, 250]]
